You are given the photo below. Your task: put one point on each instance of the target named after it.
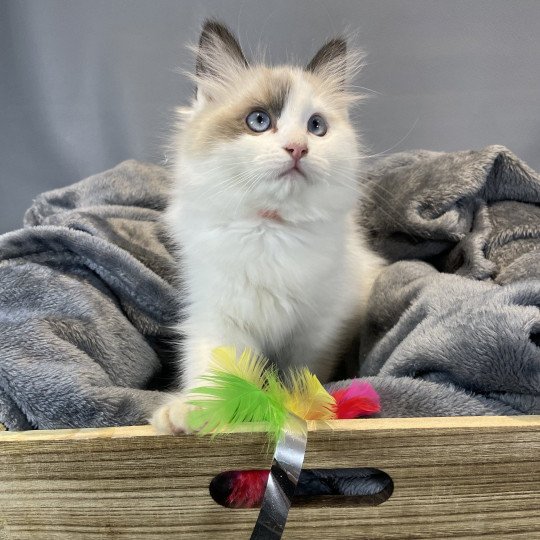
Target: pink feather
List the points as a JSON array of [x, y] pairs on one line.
[[356, 400]]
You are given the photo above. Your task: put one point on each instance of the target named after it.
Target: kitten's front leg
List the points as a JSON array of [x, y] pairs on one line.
[[172, 416]]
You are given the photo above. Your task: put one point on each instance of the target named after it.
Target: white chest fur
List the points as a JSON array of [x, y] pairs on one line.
[[267, 279]]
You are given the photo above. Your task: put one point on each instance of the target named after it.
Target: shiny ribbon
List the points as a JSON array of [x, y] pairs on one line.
[[282, 480]]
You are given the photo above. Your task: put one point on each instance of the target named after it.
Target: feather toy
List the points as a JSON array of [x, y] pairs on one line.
[[246, 389]]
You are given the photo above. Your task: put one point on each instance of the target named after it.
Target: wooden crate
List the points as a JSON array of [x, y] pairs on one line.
[[463, 477]]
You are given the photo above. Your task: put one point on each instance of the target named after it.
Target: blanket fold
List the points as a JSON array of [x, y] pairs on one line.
[[449, 208], [88, 297], [86, 303]]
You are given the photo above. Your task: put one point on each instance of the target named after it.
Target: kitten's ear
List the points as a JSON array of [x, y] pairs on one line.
[[330, 62], [219, 57]]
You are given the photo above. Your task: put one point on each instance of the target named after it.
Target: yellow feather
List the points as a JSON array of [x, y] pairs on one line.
[[307, 398], [249, 366]]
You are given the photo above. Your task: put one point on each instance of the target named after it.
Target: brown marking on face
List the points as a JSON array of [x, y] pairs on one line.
[[275, 96], [225, 119]]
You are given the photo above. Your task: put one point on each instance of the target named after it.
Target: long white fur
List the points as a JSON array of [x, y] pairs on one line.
[[295, 282]]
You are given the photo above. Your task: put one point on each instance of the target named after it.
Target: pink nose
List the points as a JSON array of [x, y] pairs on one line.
[[297, 151]]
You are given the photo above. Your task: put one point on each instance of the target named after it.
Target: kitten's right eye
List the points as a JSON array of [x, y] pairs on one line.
[[258, 121]]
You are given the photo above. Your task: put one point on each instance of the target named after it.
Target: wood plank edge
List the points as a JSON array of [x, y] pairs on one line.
[[525, 423]]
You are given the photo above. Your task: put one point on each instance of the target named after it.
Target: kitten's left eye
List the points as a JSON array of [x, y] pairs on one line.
[[317, 125], [258, 121]]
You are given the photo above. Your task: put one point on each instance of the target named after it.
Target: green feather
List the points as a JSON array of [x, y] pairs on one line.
[[230, 399]]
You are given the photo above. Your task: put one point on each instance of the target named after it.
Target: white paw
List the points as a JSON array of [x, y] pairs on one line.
[[172, 418]]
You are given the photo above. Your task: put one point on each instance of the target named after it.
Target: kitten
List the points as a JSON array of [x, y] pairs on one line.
[[263, 211]]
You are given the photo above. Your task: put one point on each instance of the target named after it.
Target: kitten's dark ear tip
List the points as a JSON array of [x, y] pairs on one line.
[[216, 35], [339, 44], [330, 51], [212, 29], [213, 26]]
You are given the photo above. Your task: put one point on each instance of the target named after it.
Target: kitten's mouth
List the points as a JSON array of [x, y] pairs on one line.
[[293, 171]]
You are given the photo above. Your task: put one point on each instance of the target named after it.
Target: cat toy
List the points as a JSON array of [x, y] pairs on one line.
[[246, 388]]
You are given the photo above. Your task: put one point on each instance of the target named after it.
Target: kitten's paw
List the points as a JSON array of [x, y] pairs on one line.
[[172, 418]]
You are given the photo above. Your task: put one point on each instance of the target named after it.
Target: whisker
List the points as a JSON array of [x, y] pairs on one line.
[[250, 187]]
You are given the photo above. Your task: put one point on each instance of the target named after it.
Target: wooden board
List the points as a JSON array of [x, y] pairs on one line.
[[464, 477]]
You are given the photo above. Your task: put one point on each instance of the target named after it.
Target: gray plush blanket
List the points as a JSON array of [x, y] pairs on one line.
[[87, 294]]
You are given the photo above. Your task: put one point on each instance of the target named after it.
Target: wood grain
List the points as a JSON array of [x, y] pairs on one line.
[[463, 477]]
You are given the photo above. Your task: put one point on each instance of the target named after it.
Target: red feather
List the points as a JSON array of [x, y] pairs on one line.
[[247, 489], [356, 400]]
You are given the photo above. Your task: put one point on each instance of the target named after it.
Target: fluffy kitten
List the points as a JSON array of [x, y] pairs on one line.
[[263, 212]]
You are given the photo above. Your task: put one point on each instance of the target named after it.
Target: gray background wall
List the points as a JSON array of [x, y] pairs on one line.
[[86, 84]]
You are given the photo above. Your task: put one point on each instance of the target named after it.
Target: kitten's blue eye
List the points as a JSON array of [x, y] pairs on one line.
[[317, 125], [258, 121]]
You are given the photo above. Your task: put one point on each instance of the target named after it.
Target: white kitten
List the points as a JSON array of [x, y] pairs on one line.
[[263, 212]]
